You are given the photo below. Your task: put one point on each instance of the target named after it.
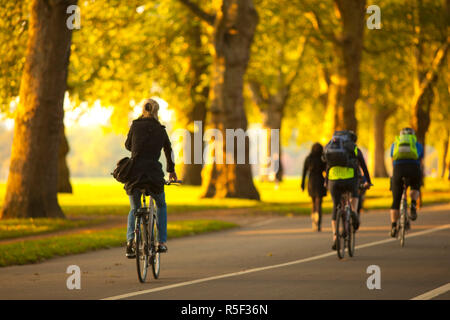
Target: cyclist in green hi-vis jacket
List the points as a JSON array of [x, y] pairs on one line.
[[407, 162], [345, 177]]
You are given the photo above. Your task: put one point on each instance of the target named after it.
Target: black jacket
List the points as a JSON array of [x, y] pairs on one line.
[[315, 166], [145, 140]]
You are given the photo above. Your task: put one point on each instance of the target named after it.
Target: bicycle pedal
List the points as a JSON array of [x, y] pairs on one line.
[[162, 251]]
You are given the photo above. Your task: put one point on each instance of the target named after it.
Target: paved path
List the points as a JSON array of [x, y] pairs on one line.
[[267, 258]]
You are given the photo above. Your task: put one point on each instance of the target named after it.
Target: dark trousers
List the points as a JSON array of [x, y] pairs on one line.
[[317, 207]]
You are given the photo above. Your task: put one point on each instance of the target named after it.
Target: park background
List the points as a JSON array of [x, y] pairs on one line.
[[304, 67]]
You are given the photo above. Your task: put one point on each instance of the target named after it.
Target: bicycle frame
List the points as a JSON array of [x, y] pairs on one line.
[[149, 255], [344, 216], [346, 208]]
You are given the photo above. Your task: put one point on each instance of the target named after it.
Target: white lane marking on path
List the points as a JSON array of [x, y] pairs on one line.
[[262, 223], [433, 293], [234, 274]]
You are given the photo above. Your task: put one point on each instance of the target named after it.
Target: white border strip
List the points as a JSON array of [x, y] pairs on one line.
[[433, 293], [228, 275]]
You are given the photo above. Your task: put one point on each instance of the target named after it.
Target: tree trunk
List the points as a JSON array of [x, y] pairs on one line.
[[424, 95], [272, 119], [445, 153], [426, 78], [191, 173], [421, 113], [380, 118], [346, 80], [272, 110], [64, 185], [234, 29], [33, 174]]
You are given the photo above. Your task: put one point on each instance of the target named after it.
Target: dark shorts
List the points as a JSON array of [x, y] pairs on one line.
[[411, 172], [338, 187]]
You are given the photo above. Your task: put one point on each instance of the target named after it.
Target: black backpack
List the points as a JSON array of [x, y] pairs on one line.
[[340, 151]]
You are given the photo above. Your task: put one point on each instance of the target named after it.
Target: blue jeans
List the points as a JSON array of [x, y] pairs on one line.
[[161, 213]]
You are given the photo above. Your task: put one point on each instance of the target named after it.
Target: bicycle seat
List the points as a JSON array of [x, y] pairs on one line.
[[144, 192], [406, 181]]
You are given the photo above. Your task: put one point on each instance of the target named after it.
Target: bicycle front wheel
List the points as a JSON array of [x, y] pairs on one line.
[[141, 249], [340, 234], [155, 256], [402, 228]]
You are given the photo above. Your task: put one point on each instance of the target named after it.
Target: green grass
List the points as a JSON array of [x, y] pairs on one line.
[[31, 251], [16, 228], [104, 197]]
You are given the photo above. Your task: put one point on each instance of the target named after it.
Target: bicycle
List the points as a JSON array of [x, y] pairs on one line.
[[146, 237], [404, 223], [345, 232]]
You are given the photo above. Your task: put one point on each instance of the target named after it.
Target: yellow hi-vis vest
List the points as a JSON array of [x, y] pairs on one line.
[[342, 173]]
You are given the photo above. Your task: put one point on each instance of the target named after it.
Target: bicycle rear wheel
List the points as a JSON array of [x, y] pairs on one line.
[[340, 234], [351, 238], [155, 255], [402, 229], [141, 249]]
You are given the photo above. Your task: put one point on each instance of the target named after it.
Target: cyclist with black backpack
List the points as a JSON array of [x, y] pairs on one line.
[[407, 161], [344, 160]]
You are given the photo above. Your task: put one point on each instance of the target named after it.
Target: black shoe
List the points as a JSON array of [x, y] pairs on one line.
[[413, 213], [130, 253], [394, 231], [162, 248], [408, 226], [334, 246]]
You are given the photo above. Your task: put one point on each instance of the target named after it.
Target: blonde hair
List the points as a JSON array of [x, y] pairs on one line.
[[150, 109]]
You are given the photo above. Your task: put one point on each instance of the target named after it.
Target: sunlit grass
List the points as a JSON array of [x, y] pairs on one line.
[[30, 251], [14, 228], [104, 196]]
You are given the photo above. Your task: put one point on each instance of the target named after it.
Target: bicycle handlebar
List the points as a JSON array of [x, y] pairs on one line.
[[362, 187], [173, 182]]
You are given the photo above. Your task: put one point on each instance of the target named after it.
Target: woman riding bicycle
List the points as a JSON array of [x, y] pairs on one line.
[[145, 140]]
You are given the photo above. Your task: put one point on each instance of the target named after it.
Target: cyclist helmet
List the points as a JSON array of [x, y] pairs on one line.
[[407, 130]]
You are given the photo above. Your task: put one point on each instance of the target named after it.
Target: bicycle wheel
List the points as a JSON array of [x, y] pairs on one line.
[[340, 234], [155, 256], [351, 238], [141, 249], [402, 229]]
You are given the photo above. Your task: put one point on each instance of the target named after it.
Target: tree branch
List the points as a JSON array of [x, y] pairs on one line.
[[386, 49], [257, 94], [195, 9], [317, 24], [299, 62], [438, 61]]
